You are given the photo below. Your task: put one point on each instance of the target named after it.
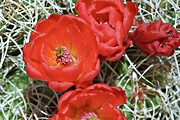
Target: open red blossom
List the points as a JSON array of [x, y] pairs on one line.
[[111, 21], [156, 39], [62, 51], [96, 102]]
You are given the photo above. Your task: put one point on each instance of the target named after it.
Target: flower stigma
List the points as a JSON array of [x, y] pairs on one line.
[[90, 116]]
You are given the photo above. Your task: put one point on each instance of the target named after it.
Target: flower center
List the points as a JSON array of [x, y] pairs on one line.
[[102, 18], [90, 116], [63, 56]]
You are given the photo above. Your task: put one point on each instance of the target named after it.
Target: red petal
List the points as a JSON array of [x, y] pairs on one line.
[[120, 5], [59, 86], [32, 67], [120, 94], [130, 11], [42, 27], [106, 50], [84, 84], [109, 112], [93, 73], [115, 57], [64, 100]]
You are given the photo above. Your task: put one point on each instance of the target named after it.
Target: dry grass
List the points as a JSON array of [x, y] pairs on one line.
[[152, 85]]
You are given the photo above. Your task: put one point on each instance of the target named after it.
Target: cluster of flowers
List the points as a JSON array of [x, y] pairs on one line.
[[65, 51]]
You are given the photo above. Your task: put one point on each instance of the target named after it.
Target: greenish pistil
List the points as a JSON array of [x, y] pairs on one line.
[[59, 52], [63, 56], [92, 118]]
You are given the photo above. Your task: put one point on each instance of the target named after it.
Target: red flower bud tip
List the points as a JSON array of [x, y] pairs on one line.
[[156, 39]]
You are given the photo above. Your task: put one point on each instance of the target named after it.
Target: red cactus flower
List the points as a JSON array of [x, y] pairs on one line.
[[62, 51], [96, 102], [156, 39], [111, 21]]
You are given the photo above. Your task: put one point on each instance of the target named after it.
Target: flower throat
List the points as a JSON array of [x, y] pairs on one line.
[[63, 56]]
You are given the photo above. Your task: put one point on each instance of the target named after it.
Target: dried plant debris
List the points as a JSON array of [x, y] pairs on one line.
[[41, 100], [152, 85]]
